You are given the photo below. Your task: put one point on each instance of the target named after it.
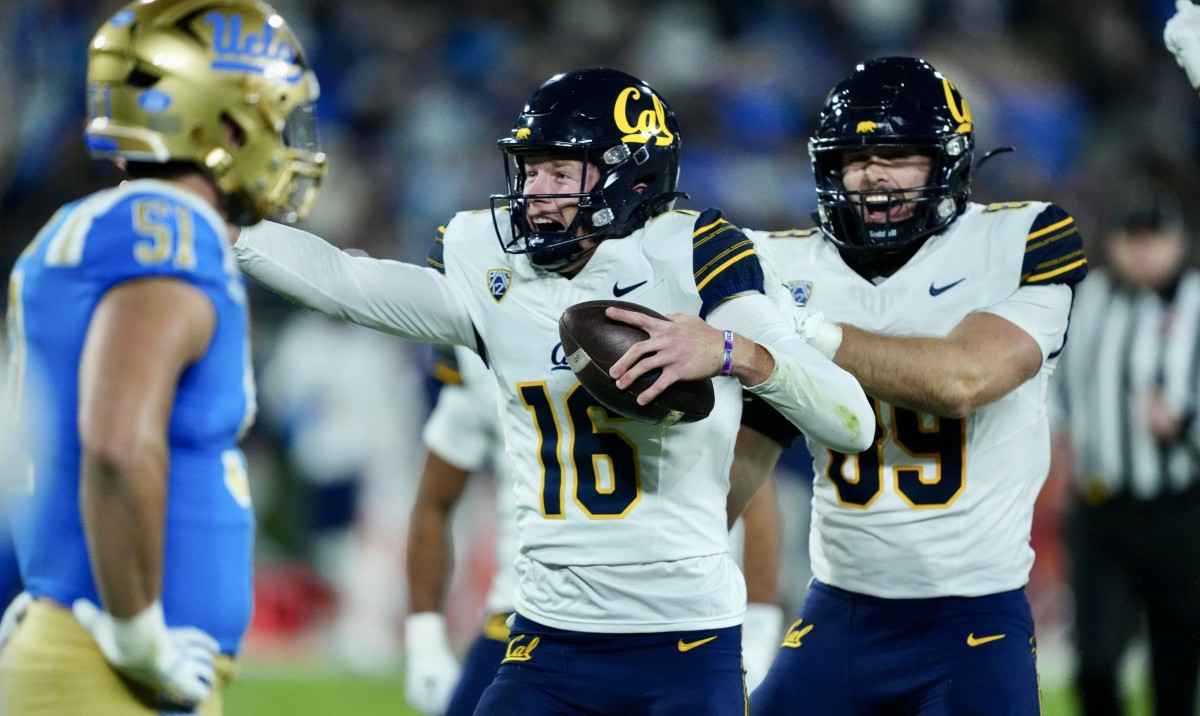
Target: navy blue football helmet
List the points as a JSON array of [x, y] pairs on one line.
[[605, 118], [892, 102]]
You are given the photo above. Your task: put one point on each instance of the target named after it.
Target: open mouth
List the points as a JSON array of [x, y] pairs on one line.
[[881, 208], [546, 225]]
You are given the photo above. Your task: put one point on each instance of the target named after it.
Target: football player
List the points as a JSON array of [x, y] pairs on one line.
[[952, 315], [627, 599], [462, 437], [127, 316]]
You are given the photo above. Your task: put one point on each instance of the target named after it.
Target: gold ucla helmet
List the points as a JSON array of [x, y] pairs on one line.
[[222, 84]]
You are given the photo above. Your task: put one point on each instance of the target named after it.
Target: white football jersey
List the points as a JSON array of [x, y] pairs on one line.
[[940, 506], [464, 430], [621, 523]]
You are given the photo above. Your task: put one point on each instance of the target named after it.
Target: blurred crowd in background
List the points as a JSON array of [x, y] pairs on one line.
[[414, 96]]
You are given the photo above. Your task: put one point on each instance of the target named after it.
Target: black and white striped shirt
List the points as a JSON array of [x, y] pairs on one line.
[[1122, 345]]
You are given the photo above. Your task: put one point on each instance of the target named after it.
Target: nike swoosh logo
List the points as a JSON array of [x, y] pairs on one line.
[[619, 291], [937, 290], [972, 641], [689, 645]]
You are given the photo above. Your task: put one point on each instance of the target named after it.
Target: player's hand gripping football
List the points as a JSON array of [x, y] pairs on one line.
[[430, 669], [684, 347], [1182, 37], [177, 663]]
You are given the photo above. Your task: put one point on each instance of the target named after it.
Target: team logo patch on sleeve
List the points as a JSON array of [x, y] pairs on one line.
[[499, 279], [801, 291]]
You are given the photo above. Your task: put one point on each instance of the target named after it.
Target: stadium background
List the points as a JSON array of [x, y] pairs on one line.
[[414, 95]]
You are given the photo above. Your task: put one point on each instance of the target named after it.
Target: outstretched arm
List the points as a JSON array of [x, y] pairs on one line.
[[409, 301]]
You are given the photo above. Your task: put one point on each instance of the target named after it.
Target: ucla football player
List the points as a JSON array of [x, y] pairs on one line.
[[627, 598], [952, 315], [127, 319]]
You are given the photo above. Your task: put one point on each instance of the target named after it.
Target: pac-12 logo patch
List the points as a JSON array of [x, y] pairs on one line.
[[801, 291], [499, 279]]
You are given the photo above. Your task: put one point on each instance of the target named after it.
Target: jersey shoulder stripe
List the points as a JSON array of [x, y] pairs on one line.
[[724, 260], [147, 233], [437, 252], [1053, 250], [813, 233]]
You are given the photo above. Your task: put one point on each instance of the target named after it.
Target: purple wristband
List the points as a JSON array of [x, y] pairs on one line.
[[727, 365]]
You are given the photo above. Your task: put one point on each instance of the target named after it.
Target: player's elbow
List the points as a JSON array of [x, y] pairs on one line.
[[109, 459], [959, 398]]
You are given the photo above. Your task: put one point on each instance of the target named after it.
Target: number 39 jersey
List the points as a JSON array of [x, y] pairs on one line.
[[940, 506], [141, 229], [621, 524]]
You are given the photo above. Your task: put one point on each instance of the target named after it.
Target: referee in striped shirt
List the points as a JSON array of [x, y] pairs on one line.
[[1126, 399]]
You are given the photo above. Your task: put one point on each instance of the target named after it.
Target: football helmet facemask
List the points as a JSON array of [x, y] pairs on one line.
[[611, 121], [892, 102], [221, 84]]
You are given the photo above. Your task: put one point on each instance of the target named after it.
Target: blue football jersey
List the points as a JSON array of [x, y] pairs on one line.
[[141, 229]]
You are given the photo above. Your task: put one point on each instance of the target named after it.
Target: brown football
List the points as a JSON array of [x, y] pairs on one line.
[[593, 343]]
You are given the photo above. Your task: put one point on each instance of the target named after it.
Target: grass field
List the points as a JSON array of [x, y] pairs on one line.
[[313, 691]]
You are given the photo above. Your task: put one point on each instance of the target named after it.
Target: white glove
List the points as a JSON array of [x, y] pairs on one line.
[[430, 670], [12, 616], [761, 633], [1182, 38], [177, 663], [819, 333]]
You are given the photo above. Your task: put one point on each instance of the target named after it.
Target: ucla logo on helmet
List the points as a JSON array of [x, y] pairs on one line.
[[499, 279], [240, 49], [647, 123], [801, 291]]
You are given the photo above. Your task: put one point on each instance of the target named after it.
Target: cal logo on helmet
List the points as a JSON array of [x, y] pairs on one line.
[[866, 127], [650, 121]]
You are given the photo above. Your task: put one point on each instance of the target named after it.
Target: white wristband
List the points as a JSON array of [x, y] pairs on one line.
[[425, 628], [827, 338], [143, 636]]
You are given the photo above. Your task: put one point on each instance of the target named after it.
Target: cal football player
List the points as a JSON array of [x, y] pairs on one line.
[[627, 600], [462, 437], [127, 319], [952, 315]]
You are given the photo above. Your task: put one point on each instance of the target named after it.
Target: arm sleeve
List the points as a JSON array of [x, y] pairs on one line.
[[818, 397], [409, 301], [458, 430], [1042, 312]]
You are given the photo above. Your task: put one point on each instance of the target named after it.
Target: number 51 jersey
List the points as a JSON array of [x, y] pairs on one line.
[[940, 506], [141, 229]]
